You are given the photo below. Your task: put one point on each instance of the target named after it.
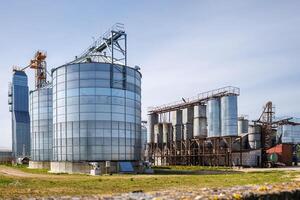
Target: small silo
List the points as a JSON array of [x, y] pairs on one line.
[[242, 125], [158, 133], [41, 115], [187, 121], [164, 117], [229, 121], [200, 121], [213, 118], [176, 120], [167, 133], [143, 139], [152, 119], [254, 136]]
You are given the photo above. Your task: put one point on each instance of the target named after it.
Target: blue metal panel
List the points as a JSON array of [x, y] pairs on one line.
[[126, 167]]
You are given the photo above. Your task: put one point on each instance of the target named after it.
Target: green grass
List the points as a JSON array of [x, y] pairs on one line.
[[24, 168], [88, 185]]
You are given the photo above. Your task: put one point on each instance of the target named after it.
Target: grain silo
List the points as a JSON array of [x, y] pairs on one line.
[[96, 114], [213, 118], [41, 127], [229, 116]]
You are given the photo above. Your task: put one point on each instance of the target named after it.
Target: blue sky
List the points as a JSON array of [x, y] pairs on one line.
[[183, 47]]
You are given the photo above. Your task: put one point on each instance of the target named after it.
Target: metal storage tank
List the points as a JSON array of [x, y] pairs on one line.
[[158, 133], [96, 112], [187, 131], [229, 126], [164, 117], [213, 118], [177, 132], [167, 132], [41, 124], [187, 115], [200, 121], [254, 136], [143, 139], [176, 119], [152, 119], [242, 125]]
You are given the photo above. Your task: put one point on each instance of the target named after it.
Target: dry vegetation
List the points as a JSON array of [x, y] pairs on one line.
[[43, 184]]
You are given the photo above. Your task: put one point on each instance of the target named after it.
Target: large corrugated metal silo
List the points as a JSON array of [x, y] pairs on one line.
[[200, 121], [97, 113], [229, 126], [213, 118], [41, 126]]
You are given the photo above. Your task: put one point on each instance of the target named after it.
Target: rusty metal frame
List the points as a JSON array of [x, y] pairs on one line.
[[195, 152]]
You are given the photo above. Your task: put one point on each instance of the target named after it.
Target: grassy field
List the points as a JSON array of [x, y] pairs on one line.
[[57, 185]]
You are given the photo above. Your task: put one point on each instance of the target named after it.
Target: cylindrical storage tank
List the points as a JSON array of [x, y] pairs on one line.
[[213, 118], [41, 124], [158, 133], [187, 115], [200, 111], [242, 125], [176, 117], [254, 136], [167, 132], [152, 119], [229, 117], [177, 132], [143, 140], [200, 121], [200, 127], [164, 117], [187, 131], [96, 112]]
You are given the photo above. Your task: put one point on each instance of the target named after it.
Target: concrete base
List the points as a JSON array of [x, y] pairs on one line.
[[70, 167], [84, 167], [39, 165], [95, 172]]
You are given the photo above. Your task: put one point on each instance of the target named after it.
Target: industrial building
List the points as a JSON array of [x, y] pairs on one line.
[[18, 106], [5, 156], [87, 114], [206, 130], [88, 111]]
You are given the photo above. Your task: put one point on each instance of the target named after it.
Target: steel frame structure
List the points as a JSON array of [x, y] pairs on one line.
[[111, 47], [201, 97], [196, 151]]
